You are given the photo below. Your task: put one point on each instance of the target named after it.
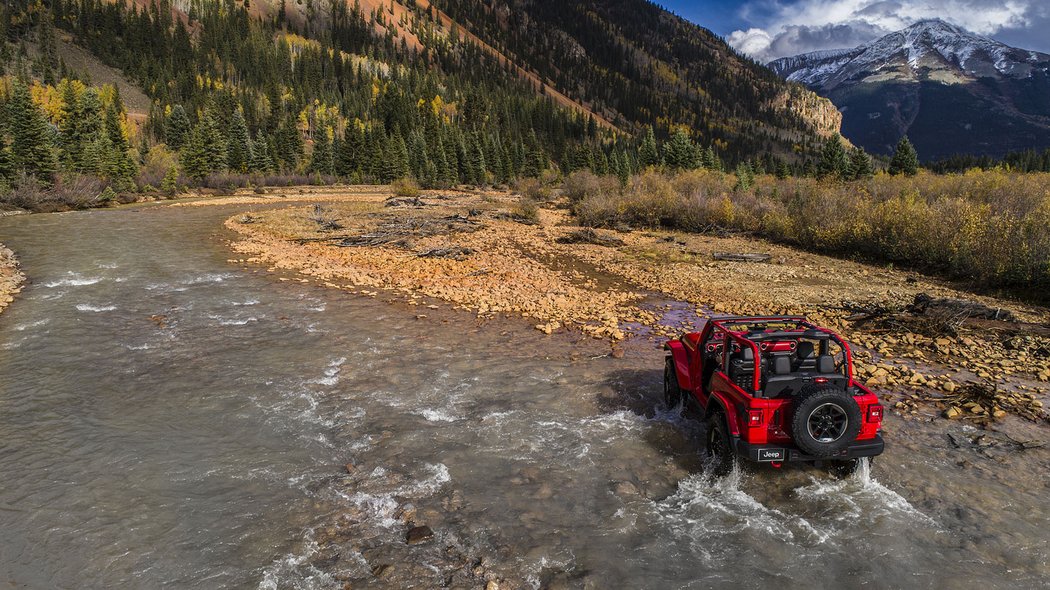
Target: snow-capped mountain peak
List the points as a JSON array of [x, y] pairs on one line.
[[951, 91], [929, 49]]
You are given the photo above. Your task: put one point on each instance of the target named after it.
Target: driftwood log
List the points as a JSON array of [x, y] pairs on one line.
[[741, 257]]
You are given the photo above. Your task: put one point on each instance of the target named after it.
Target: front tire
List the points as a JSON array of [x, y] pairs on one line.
[[672, 391], [720, 455]]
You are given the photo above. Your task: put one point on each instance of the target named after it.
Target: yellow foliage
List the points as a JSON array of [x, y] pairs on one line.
[[991, 227]]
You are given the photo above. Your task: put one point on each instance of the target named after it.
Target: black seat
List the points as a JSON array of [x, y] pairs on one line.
[[825, 364], [781, 379], [806, 358]]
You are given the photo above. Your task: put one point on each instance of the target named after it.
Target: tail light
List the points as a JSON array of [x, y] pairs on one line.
[[754, 418], [821, 380], [874, 413]]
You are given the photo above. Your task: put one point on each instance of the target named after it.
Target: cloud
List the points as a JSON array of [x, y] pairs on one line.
[[784, 28]]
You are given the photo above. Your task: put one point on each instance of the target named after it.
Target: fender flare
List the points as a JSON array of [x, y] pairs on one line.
[[681, 363], [724, 403]]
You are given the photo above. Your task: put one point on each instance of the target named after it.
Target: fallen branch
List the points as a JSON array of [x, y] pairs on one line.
[[589, 236], [741, 257], [455, 253]]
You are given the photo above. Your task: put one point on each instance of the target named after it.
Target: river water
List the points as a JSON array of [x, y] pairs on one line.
[[171, 420]]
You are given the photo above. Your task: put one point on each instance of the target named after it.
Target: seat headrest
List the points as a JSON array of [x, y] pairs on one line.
[[825, 364], [781, 365], [747, 354], [805, 348]]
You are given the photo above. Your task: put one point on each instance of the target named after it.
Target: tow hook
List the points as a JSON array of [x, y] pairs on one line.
[[776, 464]]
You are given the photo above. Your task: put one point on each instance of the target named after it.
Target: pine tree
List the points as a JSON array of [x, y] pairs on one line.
[[31, 149], [648, 153], [70, 119], [194, 155], [679, 151], [710, 160], [905, 159], [395, 163], [177, 128], [860, 165], [6, 165], [623, 168], [321, 158], [834, 162], [238, 143], [348, 159], [170, 185], [475, 161], [745, 176], [261, 160]]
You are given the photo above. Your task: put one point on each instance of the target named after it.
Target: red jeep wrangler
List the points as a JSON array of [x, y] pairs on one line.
[[774, 389]]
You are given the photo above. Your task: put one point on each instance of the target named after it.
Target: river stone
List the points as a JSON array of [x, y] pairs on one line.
[[419, 534]]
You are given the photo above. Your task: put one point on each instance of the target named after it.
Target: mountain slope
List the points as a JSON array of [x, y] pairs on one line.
[[949, 90], [636, 64]]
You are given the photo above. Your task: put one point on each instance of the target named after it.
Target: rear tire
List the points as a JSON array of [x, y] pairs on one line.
[[672, 392], [720, 455], [826, 420]]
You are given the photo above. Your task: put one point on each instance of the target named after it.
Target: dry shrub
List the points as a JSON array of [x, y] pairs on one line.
[[583, 184], [534, 189], [989, 227], [69, 191], [527, 211], [405, 187]]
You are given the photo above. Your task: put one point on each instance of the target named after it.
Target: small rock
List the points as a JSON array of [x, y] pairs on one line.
[[492, 585], [952, 412], [419, 534], [350, 468], [617, 353]]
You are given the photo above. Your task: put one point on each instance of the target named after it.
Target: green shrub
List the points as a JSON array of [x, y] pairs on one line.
[[405, 187]]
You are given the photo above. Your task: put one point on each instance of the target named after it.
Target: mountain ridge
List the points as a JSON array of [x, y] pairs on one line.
[[910, 78]]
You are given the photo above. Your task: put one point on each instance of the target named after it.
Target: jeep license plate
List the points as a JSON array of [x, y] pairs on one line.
[[771, 454]]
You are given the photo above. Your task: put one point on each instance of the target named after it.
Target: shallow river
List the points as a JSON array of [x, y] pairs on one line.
[[168, 419]]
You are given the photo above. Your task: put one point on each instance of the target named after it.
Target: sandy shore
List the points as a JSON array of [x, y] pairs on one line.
[[10, 277], [468, 250]]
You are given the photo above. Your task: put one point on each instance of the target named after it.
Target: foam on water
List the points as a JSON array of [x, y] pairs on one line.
[[95, 308], [437, 415], [331, 372], [31, 325], [73, 280]]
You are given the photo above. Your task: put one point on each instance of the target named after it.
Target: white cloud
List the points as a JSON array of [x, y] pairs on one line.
[[787, 29], [753, 42]]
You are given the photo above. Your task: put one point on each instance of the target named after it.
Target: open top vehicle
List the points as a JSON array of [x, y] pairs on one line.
[[774, 389]]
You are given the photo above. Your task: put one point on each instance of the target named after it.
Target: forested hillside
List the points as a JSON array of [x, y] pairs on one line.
[[328, 89]]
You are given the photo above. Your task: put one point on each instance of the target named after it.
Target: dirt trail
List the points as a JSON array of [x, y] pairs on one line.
[[467, 249]]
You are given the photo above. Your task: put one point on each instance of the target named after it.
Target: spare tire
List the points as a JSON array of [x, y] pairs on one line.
[[826, 420]]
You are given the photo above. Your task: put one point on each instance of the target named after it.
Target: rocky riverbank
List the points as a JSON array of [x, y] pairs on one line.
[[490, 254], [11, 277]]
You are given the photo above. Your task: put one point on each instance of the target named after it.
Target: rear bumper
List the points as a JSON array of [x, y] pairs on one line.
[[783, 453]]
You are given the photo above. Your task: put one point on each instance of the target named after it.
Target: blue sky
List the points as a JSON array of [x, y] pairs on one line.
[[767, 29]]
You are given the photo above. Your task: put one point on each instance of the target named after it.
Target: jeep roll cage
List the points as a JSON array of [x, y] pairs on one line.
[[756, 333]]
